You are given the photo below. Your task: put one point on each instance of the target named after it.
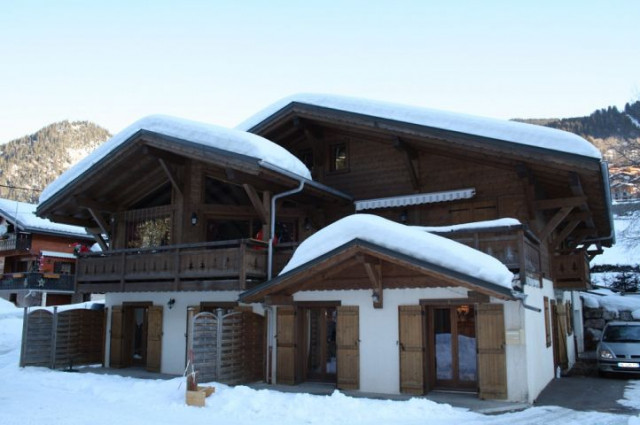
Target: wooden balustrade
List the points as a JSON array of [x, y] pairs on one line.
[[235, 263]]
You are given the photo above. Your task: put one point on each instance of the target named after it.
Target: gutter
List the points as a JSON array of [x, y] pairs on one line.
[[272, 220], [522, 297]]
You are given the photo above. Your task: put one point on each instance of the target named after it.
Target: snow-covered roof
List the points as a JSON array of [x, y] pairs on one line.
[[509, 131], [612, 301], [407, 240], [208, 135], [476, 225], [23, 216]]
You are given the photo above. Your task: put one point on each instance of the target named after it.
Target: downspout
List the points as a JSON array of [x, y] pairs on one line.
[[523, 297], [273, 224]]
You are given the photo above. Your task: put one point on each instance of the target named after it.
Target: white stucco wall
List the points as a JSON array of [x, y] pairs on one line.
[[174, 320], [539, 357], [564, 297]]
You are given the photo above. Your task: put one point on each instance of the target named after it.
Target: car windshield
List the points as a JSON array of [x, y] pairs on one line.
[[622, 333]]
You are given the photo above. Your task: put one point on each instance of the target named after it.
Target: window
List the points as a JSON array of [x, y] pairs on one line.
[[146, 228], [547, 321], [339, 157]]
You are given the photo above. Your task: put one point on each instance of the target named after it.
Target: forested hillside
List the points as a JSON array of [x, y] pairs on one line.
[[32, 162]]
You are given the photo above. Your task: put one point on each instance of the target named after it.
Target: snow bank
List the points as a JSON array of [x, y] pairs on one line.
[[25, 215], [611, 301], [509, 131], [8, 309], [406, 240], [626, 251], [205, 134]]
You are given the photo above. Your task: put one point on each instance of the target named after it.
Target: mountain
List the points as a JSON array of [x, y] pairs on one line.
[[33, 161], [616, 133]]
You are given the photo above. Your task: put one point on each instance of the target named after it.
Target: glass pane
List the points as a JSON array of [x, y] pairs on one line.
[[466, 343], [315, 344], [442, 328]]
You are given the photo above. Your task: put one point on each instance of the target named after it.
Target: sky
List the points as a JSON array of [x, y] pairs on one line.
[[217, 61]]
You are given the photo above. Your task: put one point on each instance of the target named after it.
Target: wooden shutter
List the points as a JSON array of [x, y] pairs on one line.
[[117, 343], [286, 345], [411, 342], [492, 367], [348, 348], [154, 338], [547, 322], [561, 334]]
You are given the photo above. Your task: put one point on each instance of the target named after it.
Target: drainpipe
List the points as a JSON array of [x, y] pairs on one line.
[[523, 297], [273, 224]]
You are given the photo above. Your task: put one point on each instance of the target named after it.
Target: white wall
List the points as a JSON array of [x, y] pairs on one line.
[[174, 320], [564, 297], [539, 357]]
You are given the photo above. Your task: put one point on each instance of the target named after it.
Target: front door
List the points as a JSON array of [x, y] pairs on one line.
[[453, 357], [320, 350]]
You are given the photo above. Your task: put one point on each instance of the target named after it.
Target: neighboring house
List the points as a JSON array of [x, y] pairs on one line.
[[378, 301], [37, 258], [625, 183]]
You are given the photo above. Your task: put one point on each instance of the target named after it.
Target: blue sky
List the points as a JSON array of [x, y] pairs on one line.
[[114, 61]]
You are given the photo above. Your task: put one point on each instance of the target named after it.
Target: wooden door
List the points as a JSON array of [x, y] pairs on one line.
[[154, 338], [117, 340], [411, 343], [348, 348], [492, 368], [286, 346], [559, 335]]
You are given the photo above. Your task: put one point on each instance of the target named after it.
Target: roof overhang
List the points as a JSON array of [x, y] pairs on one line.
[[312, 274]]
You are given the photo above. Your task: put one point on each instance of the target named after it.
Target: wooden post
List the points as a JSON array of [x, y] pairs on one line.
[[522, 257], [25, 332], [176, 271], [123, 264], [219, 314], [54, 338], [243, 265]]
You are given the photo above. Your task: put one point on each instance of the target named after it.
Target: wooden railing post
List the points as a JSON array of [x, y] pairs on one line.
[[176, 269], [123, 264], [54, 338], [522, 257], [242, 273]]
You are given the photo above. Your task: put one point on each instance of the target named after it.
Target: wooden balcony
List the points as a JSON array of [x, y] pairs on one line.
[[226, 265], [514, 246], [16, 242], [45, 282], [571, 271]]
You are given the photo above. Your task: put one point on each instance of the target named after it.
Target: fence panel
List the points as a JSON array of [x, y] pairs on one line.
[[65, 339], [227, 348]]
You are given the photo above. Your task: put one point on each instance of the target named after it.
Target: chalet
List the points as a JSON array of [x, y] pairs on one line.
[[386, 248], [37, 261]]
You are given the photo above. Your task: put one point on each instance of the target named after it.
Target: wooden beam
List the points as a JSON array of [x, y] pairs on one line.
[[256, 202], [84, 202], [163, 154], [528, 182], [566, 232], [551, 204], [71, 220], [555, 222], [99, 239], [373, 268], [171, 175], [409, 155], [104, 228]]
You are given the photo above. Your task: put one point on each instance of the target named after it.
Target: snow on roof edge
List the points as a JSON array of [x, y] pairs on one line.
[[230, 140], [509, 131], [409, 241], [27, 220]]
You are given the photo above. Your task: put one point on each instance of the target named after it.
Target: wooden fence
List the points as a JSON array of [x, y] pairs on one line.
[[227, 348], [62, 339]]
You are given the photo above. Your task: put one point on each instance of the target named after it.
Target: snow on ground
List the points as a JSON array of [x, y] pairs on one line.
[[404, 239], [632, 395], [41, 396]]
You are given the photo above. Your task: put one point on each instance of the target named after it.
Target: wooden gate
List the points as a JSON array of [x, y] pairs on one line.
[[65, 339], [227, 348]]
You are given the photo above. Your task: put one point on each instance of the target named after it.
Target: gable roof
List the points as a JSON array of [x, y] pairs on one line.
[[508, 131], [207, 135], [23, 216]]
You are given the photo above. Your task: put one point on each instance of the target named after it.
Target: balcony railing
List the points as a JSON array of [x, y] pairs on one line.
[[19, 242], [515, 247], [45, 282], [212, 265]]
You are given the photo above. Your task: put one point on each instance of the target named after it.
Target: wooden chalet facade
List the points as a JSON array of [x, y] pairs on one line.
[[37, 261], [183, 227]]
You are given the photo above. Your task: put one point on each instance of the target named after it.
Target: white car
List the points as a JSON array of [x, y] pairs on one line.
[[619, 348]]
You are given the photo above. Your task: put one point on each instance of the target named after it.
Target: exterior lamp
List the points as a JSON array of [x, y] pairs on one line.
[[404, 216], [194, 218], [171, 302]]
